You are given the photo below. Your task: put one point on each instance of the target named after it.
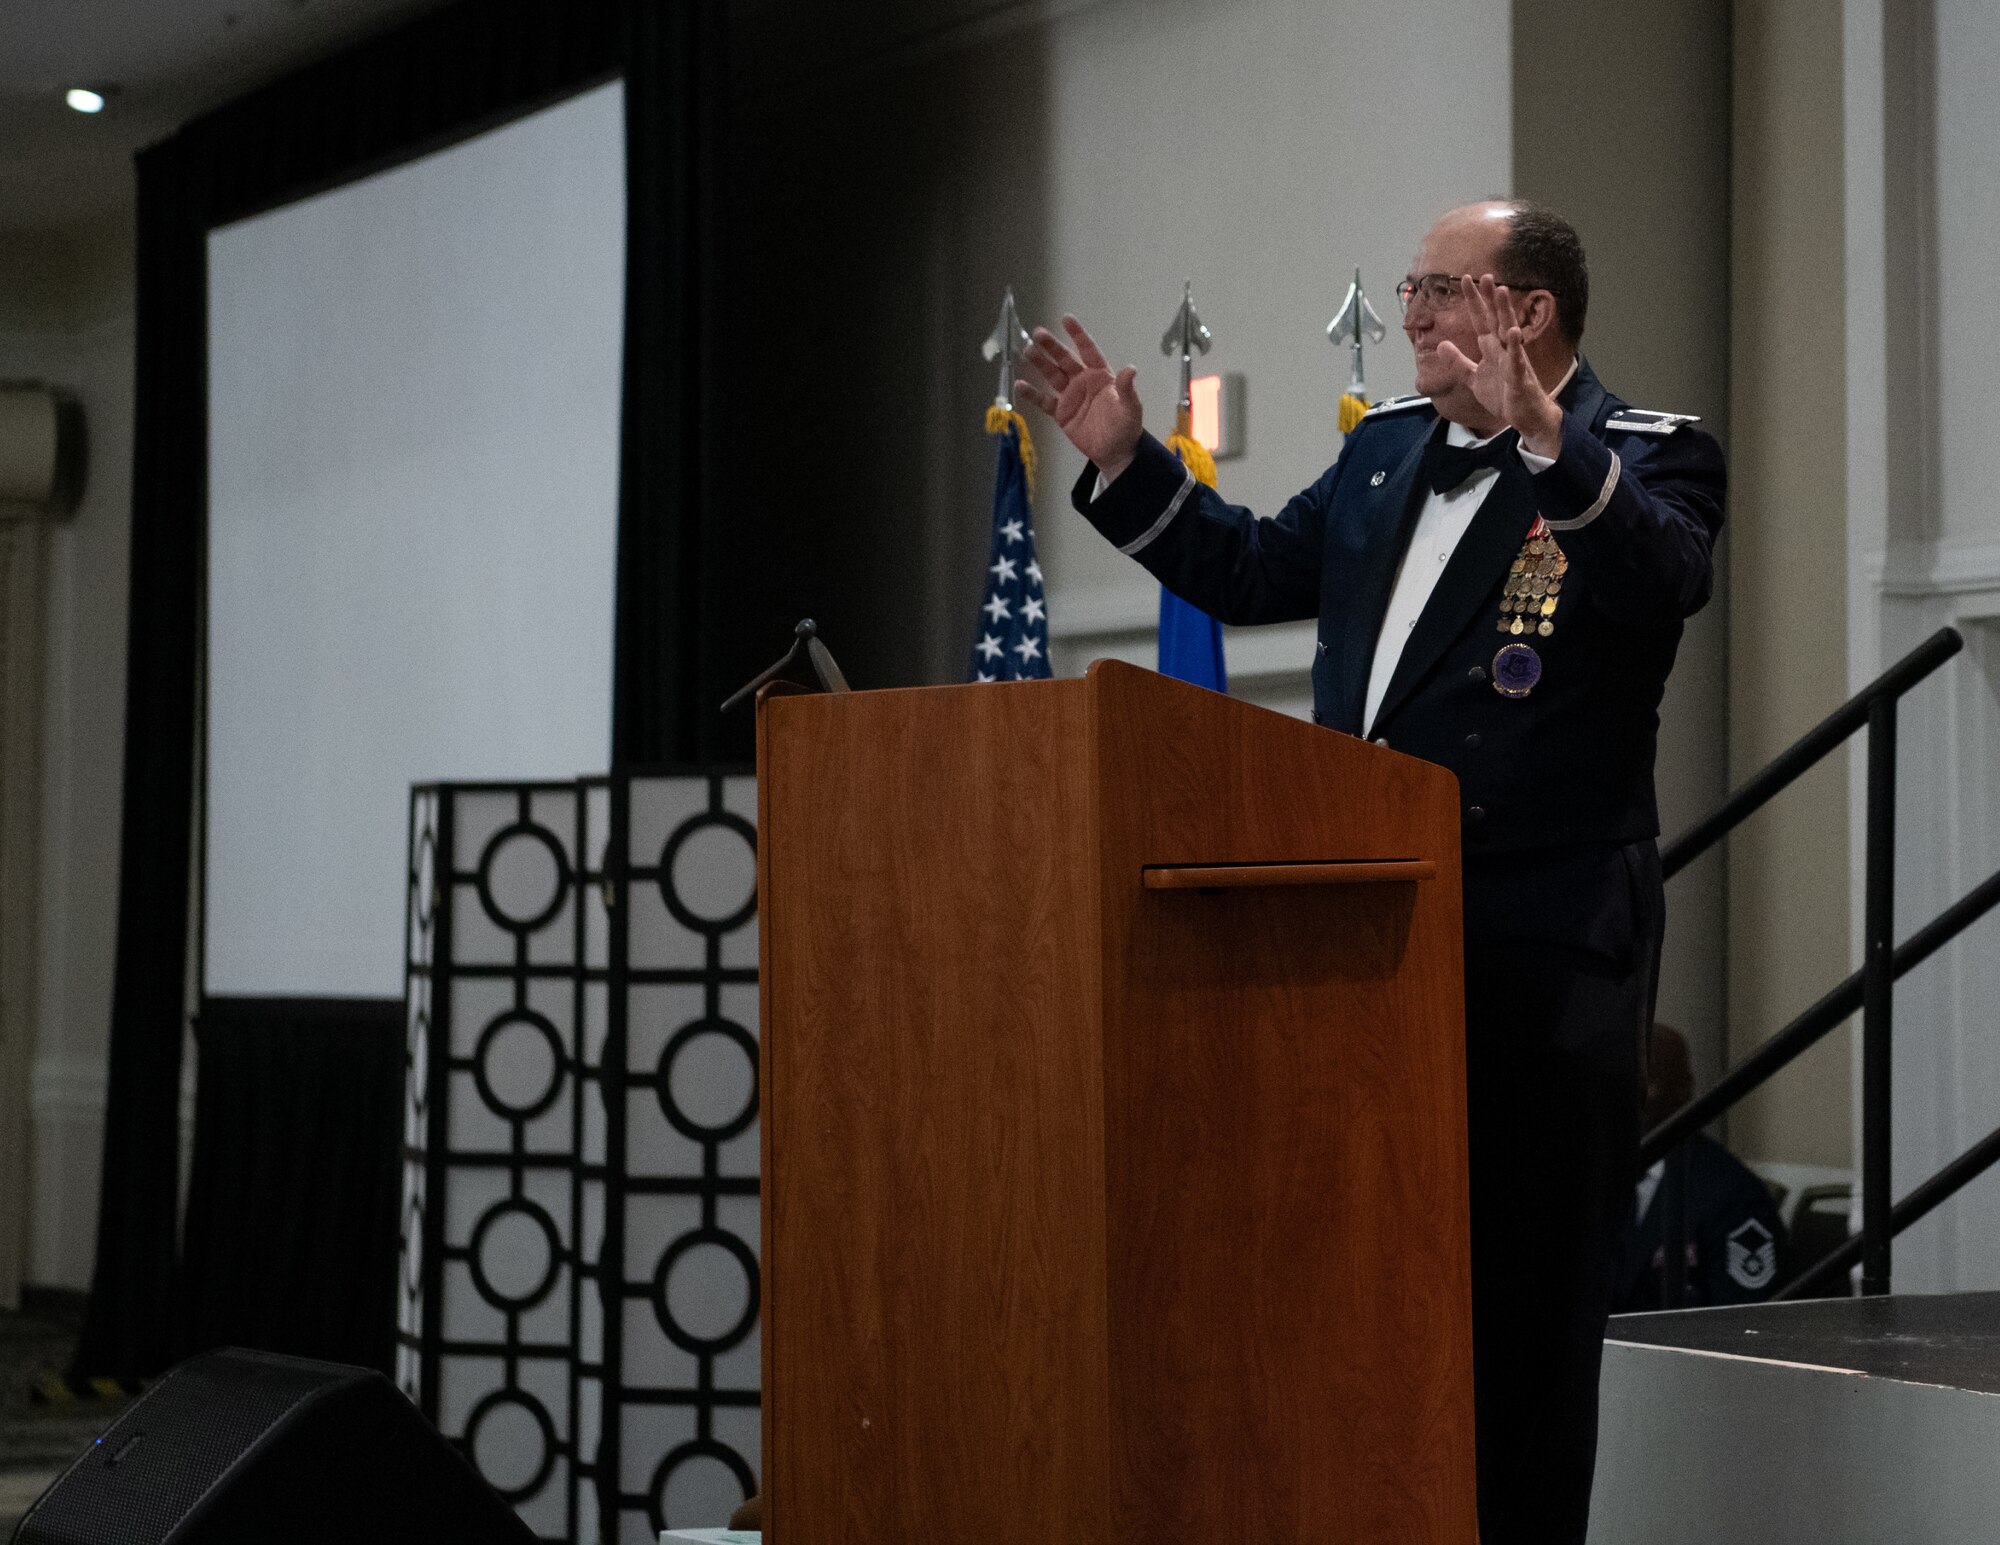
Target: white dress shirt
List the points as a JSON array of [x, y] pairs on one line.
[[1443, 521]]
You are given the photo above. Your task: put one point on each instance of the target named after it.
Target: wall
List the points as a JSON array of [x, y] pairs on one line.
[[66, 317], [1922, 224], [1967, 306], [1789, 920], [1651, 201], [1267, 199], [1957, 1054], [875, 211], [1093, 156]]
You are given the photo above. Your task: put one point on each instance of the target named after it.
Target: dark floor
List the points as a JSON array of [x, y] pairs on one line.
[[1952, 1339], [38, 1438]]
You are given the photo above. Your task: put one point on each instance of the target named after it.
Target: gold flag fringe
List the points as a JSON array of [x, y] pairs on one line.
[[1193, 454], [997, 420]]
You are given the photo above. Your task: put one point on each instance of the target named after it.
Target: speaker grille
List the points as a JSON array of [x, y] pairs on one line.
[[139, 1482]]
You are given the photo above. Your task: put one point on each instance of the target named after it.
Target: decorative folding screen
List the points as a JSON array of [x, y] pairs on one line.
[[578, 1305]]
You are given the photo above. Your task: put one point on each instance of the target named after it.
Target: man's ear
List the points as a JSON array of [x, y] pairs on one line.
[[1537, 314]]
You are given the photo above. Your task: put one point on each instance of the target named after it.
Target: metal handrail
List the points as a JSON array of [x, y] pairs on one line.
[[1805, 1032], [1873, 985], [1940, 1188], [1787, 766]]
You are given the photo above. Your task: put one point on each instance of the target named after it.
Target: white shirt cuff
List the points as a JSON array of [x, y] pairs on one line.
[[1535, 463]]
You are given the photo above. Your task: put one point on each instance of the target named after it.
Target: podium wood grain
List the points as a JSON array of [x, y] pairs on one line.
[[1091, 1210]]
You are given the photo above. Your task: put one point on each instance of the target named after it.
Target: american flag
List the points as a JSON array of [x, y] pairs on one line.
[[1013, 631]]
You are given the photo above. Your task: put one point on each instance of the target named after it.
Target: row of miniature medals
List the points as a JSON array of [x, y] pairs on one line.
[[1534, 582]]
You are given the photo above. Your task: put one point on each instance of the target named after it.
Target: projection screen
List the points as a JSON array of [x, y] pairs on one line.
[[413, 460]]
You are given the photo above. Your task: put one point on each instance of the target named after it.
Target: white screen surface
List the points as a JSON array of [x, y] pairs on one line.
[[413, 467]]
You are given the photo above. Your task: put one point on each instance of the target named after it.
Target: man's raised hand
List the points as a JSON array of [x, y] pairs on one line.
[[1502, 378], [1097, 410]]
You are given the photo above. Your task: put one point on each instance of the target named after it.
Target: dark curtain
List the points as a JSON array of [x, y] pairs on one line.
[[454, 74], [128, 1329], [667, 689], [295, 1187]]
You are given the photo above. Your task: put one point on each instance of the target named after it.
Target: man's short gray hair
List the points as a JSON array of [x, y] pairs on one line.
[[1543, 252]]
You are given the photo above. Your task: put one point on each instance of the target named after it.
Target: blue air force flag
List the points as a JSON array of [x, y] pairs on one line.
[[1013, 631], [1190, 639], [1190, 643]]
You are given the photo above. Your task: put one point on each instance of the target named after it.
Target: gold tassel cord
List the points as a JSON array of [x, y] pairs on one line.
[[1193, 454], [997, 421], [1351, 409]]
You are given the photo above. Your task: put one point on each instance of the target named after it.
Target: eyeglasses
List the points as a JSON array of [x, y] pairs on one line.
[[1438, 291]]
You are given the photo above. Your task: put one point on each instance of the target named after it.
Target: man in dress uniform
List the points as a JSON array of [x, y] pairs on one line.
[[1500, 567]]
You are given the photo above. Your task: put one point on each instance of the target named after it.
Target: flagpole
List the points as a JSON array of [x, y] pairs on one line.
[[1011, 637], [1190, 641], [1007, 343], [1184, 336], [1184, 413], [1355, 321]]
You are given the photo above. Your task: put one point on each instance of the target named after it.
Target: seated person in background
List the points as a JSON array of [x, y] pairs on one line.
[[1735, 1241]]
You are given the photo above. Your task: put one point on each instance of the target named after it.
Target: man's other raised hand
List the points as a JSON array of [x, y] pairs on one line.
[[1503, 379], [1098, 411]]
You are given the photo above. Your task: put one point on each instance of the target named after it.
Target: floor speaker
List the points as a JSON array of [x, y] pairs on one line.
[[233, 1447]]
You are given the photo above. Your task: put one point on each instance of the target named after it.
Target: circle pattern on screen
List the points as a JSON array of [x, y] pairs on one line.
[[707, 1080], [708, 872], [697, 1485], [705, 1291], [519, 1064], [515, 1254], [418, 1063], [498, 1004], [523, 876], [424, 881], [413, 1234], [512, 1441]]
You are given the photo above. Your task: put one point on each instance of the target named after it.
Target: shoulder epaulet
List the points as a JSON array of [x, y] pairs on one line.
[[1646, 422], [1395, 405]]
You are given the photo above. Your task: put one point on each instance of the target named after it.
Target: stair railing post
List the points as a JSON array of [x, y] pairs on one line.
[[1877, 989]]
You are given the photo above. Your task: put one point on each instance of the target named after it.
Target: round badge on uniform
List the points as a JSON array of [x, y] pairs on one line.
[[1516, 669]]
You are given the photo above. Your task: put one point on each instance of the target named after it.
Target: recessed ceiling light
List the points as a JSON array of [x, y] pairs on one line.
[[84, 100]]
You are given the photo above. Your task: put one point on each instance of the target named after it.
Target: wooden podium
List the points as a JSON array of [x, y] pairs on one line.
[[1114, 1123]]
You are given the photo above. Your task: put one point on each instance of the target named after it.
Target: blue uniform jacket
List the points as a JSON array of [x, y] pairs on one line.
[[1635, 501], [1736, 1245]]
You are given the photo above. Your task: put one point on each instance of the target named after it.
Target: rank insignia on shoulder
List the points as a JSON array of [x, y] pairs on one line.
[[1395, 405], [1646, 422]]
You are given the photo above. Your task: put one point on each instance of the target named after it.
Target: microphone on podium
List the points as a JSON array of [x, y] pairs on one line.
[[805, 640]]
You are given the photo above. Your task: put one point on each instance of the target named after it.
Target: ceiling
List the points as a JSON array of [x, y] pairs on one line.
[[173, 60], [169, 60]]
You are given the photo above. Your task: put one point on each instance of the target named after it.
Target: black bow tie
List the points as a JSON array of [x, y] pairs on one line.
[[1446, 465]]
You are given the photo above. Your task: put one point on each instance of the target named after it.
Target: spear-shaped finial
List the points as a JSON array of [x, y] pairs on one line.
[[1007, 343], [1356, 320], [1186, 336]]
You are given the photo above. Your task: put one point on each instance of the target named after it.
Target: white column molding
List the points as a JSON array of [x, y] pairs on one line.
[[1947, 1088], [1919, 558]]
